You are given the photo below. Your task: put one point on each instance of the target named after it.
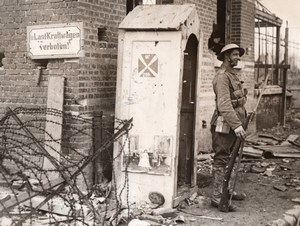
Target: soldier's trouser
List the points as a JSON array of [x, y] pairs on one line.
[[222, 145], [218, 175]]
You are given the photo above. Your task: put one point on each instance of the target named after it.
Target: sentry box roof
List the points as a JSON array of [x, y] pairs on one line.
[[157, 17]]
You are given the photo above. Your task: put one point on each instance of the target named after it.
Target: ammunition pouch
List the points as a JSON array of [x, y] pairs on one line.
[[238, 102]]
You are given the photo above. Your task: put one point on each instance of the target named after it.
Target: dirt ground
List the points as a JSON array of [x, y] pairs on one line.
[[264, 202], [271, 184]]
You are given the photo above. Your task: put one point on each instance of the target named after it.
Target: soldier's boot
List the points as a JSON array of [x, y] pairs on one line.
[[218, 176], [236, 195]]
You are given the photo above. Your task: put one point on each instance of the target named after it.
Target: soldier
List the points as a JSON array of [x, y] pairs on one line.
[[228, 118]]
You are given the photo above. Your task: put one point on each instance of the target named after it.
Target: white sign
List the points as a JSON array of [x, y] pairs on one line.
[[55, 41]]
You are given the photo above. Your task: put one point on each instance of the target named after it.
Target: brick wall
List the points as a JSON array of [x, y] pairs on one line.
[[207, 12], [20, 72], [242, 33], [91, 78], [90, 81], [97, 77], [98, 69], [242, 27]]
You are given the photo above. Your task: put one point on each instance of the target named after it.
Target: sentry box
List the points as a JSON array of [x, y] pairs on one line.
[[157, 77]]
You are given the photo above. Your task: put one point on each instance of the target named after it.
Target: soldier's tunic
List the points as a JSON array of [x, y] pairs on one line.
[[230, 103]]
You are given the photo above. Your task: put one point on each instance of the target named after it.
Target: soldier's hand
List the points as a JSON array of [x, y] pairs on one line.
[[240, 132]]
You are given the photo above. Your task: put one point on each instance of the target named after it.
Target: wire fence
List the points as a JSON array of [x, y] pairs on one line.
[[265, 53], [294, 61], [48, 164]]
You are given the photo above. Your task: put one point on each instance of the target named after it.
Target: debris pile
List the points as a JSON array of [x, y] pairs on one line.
[[33, 194], [271, 156], [25, 200], [188, 211]]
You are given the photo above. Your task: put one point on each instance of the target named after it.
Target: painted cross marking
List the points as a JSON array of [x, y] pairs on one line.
[[148, 65]]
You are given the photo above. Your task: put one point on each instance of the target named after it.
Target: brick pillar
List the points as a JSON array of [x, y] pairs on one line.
[[242, 33], [242, 26]]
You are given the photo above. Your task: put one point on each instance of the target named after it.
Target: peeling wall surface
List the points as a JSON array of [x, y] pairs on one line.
[[268, 114], [149, 92], [269, 111], [149, 89]]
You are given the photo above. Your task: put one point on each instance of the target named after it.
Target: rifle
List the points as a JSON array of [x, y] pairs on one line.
[[237, 149]]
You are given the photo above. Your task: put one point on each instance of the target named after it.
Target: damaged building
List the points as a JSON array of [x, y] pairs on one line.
[[85, 65]]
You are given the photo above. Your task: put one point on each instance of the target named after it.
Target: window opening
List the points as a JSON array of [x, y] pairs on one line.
[[130, 4], [1, 58], [102, 34], [163, 2], [267, 46], [42, 63], [217, 38]]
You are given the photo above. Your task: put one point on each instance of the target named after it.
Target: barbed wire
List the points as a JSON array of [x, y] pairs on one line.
[[33, 194]]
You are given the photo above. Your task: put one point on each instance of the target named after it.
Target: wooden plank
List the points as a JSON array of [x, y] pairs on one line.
[[267, 141], [250, 151], [15, 200], [270, 136], [54, 122], [280, 151], [56, 205], [294, 143], [267, 17], [262, 24], [291, 138], [286, 155], [279, 148], [274, 66]]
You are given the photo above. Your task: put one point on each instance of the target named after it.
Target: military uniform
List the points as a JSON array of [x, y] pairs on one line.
[[230, 104]]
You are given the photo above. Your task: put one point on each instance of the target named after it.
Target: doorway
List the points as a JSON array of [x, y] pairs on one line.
[[185, 171]]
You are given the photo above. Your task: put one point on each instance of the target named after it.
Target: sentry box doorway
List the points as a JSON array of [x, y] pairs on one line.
[[158, 72]]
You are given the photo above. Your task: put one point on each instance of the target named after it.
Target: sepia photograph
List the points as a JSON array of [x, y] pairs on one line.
[[149, 112]]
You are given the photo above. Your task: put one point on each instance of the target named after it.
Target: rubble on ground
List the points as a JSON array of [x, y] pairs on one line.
[[267, 154], [64, 207]]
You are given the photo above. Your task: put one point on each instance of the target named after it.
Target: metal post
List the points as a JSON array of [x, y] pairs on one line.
[[258, 70], [283, 109], [276, 75]]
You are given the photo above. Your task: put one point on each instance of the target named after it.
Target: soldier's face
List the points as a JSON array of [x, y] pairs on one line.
[[234, 57]]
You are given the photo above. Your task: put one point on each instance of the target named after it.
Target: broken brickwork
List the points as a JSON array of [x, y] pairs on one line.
[[240, 30], [90, 81]]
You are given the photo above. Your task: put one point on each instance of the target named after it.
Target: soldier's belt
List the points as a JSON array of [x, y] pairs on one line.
[[238, 102]]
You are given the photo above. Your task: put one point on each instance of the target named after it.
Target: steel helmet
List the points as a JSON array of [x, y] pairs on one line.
[[228, 47]]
